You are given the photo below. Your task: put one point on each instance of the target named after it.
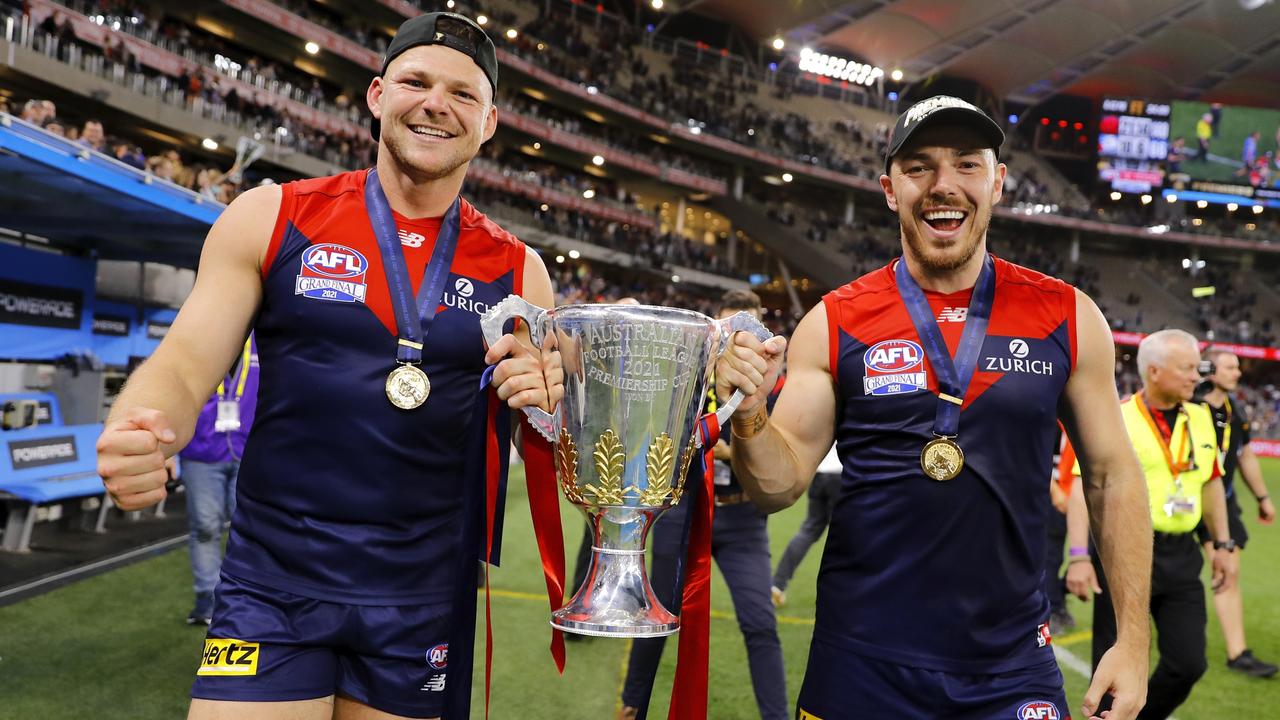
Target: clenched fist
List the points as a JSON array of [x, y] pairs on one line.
[[130, 459]]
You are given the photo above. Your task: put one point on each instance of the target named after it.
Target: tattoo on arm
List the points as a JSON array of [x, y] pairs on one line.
[[751, 426]]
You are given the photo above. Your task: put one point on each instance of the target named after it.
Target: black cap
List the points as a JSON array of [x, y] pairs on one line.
[[939, 109], [443, 28]]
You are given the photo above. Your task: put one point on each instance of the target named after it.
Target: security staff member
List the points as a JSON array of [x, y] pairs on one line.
[[1232, 422], [1174, 441], [740, 546]]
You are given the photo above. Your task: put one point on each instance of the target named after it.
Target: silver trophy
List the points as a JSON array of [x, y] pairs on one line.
[[635, 377]]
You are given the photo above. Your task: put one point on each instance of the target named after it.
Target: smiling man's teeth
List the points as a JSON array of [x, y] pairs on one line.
[[944, 215], [430, 131]]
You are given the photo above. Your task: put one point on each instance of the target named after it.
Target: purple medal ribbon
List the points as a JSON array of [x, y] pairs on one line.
[[412, 334], [953, 377]]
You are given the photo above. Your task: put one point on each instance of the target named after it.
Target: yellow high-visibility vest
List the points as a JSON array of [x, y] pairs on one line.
[[1195, 447]]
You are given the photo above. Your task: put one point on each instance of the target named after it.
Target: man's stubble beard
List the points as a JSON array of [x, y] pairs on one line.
[[404, 161], [928, 261]]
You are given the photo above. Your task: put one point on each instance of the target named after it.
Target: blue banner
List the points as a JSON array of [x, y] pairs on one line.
[[46, 304], [154, 326], [113, 332]]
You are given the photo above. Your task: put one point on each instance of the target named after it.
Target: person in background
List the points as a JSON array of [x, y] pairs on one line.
[[822, 498], [210, 464], [1231, 420]]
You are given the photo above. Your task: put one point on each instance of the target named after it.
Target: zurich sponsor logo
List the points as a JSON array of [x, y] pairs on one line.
[[1019, 362], [332, 272], [464, 288], [462, 298], [438, 656], [893, 367], [1038, 710]]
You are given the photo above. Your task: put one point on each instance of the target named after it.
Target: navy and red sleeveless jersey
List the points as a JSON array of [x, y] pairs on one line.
[[944, 575], [342, 496]]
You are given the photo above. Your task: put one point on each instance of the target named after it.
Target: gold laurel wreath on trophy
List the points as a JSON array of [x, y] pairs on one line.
[[658, 465], [567, 466], [610, 461], [686, 456]]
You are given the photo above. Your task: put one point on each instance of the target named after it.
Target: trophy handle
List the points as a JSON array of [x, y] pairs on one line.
[[491, 324], [741, 321]]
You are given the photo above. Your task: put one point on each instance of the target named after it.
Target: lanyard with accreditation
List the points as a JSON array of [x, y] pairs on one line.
[[1177, 502], [228, 418]]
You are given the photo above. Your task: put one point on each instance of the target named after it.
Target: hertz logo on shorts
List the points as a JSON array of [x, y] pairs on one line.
[[805, 715], [228, 657]]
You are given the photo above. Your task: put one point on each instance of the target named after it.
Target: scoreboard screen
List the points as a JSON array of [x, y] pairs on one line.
[[1133, 144]]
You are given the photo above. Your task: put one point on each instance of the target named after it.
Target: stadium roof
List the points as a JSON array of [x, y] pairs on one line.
[[1029, 50]]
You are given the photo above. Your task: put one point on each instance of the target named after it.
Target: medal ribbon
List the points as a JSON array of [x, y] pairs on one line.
[[483, 497], [689, 692], [953, 376], [411, 334], [1224, 447], [1164, 436]]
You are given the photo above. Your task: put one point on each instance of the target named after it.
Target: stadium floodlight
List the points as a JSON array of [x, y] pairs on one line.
[[592, 90], [839, 68], [1257, 209], [543, 207], [482, 20], [1202, 204], [751, 132], [450, 4], [313, 47], [1171, 198], [1115, 195], [209, 144], [1146, 199], [675, 278], [779, 43], [512, 33], [1158, 229], [1232, 207], [574, 254], [787, 177], [598, 160], [537, 146], [656, 4], [1186, 263], [560, 258], [896, 75]]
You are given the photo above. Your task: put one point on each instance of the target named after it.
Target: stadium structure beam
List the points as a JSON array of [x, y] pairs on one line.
[[1230, 67], [936, 59], [846, 14], [1072, 69]]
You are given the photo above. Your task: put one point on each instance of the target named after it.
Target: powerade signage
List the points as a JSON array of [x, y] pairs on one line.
[[157, 330], [25, 454], [117, 325], [25, 304]]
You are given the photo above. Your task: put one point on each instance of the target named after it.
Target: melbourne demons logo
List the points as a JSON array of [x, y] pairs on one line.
[[1038, 710], [894, 367], [332, 272]]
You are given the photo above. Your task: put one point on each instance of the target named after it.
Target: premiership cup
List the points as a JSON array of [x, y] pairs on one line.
[[635, 378]]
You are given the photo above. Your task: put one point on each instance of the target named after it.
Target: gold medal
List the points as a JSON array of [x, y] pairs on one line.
[[408, 387], [941, 459]]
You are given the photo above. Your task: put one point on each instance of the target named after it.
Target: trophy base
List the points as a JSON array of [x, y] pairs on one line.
[[599, 629]]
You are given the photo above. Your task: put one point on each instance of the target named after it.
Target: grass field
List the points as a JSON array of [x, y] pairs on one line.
[[1237, 123], [116, 646]]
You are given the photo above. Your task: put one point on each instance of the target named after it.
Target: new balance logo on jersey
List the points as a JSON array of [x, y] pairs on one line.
[[434, 684], [413, 240], [952, 315], [1019, 363]]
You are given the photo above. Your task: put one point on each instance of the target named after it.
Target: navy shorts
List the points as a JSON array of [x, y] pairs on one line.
[[266, 645], [841, 684]]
